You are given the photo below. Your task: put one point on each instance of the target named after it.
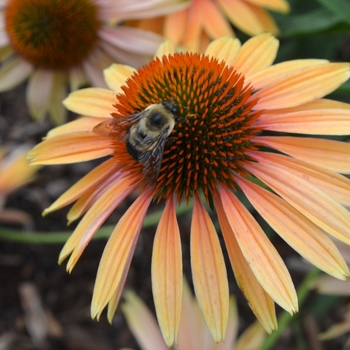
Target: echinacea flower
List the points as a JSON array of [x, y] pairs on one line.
[[226, 99], [193, 332], [15, 172], [205, 20], [57, 42]]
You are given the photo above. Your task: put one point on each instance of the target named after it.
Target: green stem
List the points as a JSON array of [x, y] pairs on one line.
[[285, 318], [61, 237]]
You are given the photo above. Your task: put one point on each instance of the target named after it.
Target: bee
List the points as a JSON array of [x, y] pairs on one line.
[[145, 134]]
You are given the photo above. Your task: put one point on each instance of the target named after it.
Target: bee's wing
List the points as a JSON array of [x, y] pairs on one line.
[[117, 127], [152, 159]]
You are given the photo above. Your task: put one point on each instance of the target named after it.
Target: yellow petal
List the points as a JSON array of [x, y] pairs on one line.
[[265, 262], [327, 154], [252, 338], [118, 253], [77, 147], [91, 180], [116, 76], [224, 49], [142, 323], [95, 102], [303, 86], [315, 204], [209, 272], [280, 71], [167, 48], [298, 231], [93, 220], [274, 5], [335, 185], [259, 301], [167, 273], [256, 54], [57, 111]]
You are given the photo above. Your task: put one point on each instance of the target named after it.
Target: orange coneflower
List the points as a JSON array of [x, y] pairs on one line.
[[205, 20], [226, 98], [59, 42]]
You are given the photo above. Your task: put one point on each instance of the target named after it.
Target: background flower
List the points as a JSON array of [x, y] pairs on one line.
[[59, 42], [194, 27], [226, 98]]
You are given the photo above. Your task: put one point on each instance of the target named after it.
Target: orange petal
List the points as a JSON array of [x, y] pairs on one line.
[[298, 231], [214, 23], [116, 75], [175, 26], [93, 220], [272, 74], [335, 185], [142, 323], [312, 122], [167, 273], [256, 54], [224, 49], [327, 154], [259, 301], [77, 147], [261, 255], [117, 254], [265, 19], [193, 28], [241, 15], [274, 5], [95, 102], [209, 272], [303, 86], [315, 204], [91, 180]]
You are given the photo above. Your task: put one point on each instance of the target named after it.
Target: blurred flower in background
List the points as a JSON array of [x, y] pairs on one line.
[[194, 27], [193, 332], [225, 99], [59, 42], [15, 172]]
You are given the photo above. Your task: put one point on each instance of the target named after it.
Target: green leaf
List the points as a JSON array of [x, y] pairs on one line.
[[338, 7], [316, 21]]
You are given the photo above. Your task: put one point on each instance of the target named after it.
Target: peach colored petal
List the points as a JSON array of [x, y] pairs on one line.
[[335, 185], [209, 272], [175, 26], [193, 28], [116, 76], [91, 180], [78, 147], [327, 154], [261, 255], [266, 20], [252, 338], [224, 49], [312, 122], [241, 15], [13, 72], [303, 86], [167, 48], [142, 323], [259, 301], [213, 22], [315, 204], [298, 231], [82, 205], [56, 109], [77, 125], [95, 102], [118, 253], [256, 54], [93, 220], [280, 71], [77, 78], [167, 273], [39, 90], [274, 5]]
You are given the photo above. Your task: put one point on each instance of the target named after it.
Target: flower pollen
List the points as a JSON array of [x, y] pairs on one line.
[[213, 131], [56, 34]]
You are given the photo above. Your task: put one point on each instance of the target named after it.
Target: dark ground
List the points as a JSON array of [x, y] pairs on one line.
[[30, 275]]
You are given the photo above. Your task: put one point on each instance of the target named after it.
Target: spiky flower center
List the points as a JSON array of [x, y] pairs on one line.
[[52, 34], [214, 129]]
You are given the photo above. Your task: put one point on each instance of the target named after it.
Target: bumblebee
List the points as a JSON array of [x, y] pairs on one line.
[[145, 134]]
